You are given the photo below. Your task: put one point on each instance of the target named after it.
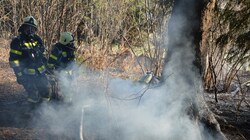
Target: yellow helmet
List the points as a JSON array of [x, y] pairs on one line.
[[30, 20], [66, 38]]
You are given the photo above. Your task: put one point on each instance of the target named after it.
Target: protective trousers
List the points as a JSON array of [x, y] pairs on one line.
[[37, 87]]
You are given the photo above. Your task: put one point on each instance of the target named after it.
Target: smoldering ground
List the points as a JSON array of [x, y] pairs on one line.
[[110, 108]]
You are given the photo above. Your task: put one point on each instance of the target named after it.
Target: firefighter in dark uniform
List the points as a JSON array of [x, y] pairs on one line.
[[61, 58], [63, 53], [27, 60]]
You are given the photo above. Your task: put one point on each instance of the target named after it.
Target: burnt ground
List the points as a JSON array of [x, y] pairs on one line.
[[234, 119], [15, 114]]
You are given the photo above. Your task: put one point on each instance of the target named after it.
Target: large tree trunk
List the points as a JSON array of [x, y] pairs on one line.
[[184, 35]]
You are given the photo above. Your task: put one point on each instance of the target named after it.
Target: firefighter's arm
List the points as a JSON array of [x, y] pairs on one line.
[[53, 61], [74, 56], [15, 58], [41, 44]]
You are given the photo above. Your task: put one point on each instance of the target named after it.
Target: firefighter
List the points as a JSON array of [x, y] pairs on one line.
[[60, 60], [63, 53], [27, 60]]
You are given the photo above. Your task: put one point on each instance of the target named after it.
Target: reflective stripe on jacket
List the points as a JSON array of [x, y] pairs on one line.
[[26, 55], [61, 56]]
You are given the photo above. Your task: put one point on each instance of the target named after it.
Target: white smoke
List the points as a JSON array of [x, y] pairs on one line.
[[116, 109], [112, 109]]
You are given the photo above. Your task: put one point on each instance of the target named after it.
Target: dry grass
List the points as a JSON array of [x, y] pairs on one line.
[[4, 46], [8, 82], [121, 64]]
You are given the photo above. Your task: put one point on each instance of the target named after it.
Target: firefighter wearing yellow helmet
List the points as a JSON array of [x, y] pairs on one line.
[[27, 60]]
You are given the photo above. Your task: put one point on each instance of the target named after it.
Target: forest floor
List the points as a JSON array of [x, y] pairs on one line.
[[235, 123]]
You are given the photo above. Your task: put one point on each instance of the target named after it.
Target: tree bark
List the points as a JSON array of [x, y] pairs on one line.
[[184, 33]]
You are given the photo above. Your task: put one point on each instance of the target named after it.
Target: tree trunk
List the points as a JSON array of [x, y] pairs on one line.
[[184, 35]]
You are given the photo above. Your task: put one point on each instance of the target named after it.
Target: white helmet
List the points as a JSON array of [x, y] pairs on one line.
[[30, 20], [66, 38]]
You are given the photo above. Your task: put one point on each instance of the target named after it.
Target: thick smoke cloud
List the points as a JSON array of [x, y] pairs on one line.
[[111, 108]]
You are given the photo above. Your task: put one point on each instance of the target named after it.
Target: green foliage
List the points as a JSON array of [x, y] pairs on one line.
[[238, 20], [237, 16], [228, 42], [222, 40], [243, 39]]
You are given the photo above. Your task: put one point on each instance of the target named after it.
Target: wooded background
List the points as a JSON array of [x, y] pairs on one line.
[[104, 24], [121, 28]]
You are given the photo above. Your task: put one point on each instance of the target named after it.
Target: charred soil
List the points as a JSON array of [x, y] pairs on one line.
[[16, 115]]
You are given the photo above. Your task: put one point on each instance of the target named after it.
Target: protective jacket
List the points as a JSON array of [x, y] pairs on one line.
[[26, 55], [61, 56]]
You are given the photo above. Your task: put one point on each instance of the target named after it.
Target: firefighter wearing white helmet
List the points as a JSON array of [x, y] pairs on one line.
[[27, 60], [61, 59], [66, 38], [29, 26], [30, 20], [63, 52]]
